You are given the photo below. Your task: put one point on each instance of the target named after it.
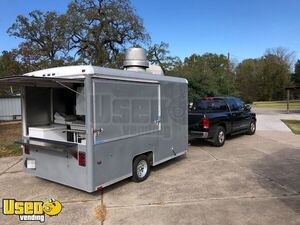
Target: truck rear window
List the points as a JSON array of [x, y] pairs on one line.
[[217, 105]]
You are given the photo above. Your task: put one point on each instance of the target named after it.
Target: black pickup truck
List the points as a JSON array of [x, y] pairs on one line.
[[213, 118]]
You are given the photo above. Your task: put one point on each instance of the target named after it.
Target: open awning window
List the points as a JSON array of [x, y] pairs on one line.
[[37, 81]]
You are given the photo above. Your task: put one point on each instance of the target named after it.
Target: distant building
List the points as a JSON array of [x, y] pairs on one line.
[[10, 108]]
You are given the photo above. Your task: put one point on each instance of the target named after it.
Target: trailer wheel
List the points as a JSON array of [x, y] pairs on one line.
[[141, 168]]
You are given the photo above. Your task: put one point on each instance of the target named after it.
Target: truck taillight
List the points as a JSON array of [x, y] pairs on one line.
[[205, 123], [25, 149], [81, 159]]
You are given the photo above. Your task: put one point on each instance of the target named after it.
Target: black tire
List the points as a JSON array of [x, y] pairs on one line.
[[140, 164], [220, 137], [252, 127]]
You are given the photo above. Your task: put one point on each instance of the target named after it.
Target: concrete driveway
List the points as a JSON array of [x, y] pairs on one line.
[[270, 119], [251, 180]]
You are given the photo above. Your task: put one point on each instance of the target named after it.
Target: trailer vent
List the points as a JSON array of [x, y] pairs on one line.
[[136, 60]]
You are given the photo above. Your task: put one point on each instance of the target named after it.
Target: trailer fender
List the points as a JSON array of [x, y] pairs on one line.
[[149, 155]]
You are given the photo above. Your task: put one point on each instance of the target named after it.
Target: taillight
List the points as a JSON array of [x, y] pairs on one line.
[[81, 159], [205, 123], [25, 149]]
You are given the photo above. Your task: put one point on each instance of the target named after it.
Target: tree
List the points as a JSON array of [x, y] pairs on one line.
[[208, 75], [102, 29], [265, 78], [247, 73], [9, 66], [160, 54], [283, 54], [275, 77], [46, 39], [296, 74], [90, 32]]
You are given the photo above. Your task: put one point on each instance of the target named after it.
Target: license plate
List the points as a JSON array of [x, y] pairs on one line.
[[30, 164]]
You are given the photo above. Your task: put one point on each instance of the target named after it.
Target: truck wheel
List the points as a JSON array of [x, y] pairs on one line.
[[252, 128], [141, 168], [220, 136]]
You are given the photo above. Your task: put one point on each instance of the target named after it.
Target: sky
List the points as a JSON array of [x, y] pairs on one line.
[[245, 29]]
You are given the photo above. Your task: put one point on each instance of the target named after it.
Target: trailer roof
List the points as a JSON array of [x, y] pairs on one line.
[[21, 80], [79, 72]]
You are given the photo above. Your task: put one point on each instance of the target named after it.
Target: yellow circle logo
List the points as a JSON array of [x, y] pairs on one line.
[[52, 207]]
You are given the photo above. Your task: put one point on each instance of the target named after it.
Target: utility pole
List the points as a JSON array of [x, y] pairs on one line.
[[228, 60], [288, 101]]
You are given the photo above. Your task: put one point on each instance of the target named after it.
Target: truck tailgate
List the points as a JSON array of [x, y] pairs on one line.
[[195, 119]]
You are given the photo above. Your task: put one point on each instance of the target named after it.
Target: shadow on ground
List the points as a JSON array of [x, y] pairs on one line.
[[282, 168], [203, 142]]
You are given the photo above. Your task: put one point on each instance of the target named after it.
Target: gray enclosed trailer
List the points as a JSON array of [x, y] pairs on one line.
[[88, 127]]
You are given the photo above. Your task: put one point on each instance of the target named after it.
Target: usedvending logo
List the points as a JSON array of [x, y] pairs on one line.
[[31, 210]]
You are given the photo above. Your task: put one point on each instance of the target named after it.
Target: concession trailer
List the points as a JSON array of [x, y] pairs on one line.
[[88, 127]]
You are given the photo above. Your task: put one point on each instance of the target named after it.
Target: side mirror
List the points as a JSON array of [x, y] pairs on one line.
[[247, 107]]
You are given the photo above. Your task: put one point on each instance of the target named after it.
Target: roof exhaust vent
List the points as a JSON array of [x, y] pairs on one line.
[[136, 60]]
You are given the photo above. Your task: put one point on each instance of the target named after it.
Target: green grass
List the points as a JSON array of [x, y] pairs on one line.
[[10, 150], [277, 104], [294, 125], [9, 132]]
